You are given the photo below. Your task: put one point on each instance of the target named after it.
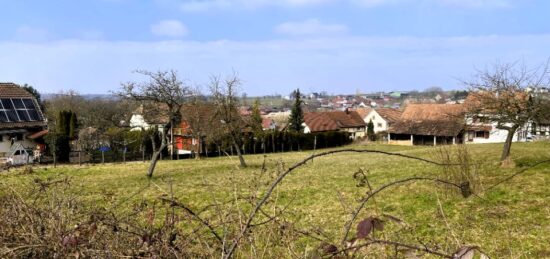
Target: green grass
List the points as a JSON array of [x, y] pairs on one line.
[[509, 221]]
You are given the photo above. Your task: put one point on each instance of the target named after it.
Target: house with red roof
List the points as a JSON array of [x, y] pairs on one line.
[[347, 121], [22, 123]]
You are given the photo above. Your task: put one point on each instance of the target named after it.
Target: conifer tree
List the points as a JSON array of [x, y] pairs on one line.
[[297, 114], [370, 131]]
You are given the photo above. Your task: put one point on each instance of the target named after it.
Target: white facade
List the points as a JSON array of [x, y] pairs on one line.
[[306, 128], [494, 135], [6, 142], [380, 124], [137, 122]]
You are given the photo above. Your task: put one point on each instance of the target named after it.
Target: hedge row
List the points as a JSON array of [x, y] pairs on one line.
[[275, 141]]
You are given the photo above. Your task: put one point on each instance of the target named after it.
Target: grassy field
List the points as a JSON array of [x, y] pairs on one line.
[[511, 220]]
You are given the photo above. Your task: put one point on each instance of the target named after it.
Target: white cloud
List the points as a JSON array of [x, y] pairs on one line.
[[374, 3], [310, 27], [453, 3], [338, 64], [90, 34], [203, 5], [169, 28], [28, 33], [477, 3]]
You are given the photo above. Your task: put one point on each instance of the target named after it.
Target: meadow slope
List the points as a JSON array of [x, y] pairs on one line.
[[511, 220]]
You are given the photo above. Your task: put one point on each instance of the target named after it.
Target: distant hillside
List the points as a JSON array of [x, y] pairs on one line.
[[49, 96]]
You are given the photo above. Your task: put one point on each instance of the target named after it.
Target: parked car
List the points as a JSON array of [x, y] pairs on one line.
[[20, 156]]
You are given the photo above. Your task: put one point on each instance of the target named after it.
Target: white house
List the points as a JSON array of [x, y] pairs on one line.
[[434, 124], [477, 132], [382, 118], [141, 120]]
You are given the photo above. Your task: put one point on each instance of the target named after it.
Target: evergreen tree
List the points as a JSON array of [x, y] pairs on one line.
[[297, 114], [370, 131], [256, 118], [62, 123], [73, 125]]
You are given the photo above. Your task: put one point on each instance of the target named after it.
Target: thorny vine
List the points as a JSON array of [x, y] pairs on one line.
[[92, 235]]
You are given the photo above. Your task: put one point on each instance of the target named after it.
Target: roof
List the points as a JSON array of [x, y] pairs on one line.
[[11, 90], [363, 111], [430, 120], [268, 123], [8, 90], [432, 111], [389, 114], [38, 134], [201, 113], [153, 113], [334, 120], [491, 102]]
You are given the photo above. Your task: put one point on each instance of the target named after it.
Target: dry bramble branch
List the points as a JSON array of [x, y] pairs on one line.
[[278, 180], [171, 228]]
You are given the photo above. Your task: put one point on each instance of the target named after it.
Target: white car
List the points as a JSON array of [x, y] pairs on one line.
[[21, 157]]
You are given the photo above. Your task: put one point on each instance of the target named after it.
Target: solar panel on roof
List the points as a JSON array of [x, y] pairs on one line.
[[6, 102], [34, 115], [18, 103], [23, 115], [3, 117], [29, 103], [18, 110], [12, 116]]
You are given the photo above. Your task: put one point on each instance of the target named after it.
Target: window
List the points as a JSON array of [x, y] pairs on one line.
[[482, 134], [379, 125]]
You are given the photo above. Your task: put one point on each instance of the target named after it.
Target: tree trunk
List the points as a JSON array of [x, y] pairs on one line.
[[241, 158], [508, 144], [156, 155], [154, 160]]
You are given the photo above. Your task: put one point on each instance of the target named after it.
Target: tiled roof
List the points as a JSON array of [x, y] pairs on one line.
[[11, 90], [8, 90], [267, 123], [18, 125], [430, 120], [363, 112], [38, 134], [431, 111], [153, 113], [202, 113], [389, 114], [335, 120]]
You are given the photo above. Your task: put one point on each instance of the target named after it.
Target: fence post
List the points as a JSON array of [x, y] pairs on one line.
[[314, 147]]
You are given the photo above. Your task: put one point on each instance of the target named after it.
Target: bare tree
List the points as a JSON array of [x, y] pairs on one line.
[[197, 115], [167, 93], [509, 95], [224, 95]]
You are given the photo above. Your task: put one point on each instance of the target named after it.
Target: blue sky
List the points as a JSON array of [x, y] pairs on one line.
[[338, 46]]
